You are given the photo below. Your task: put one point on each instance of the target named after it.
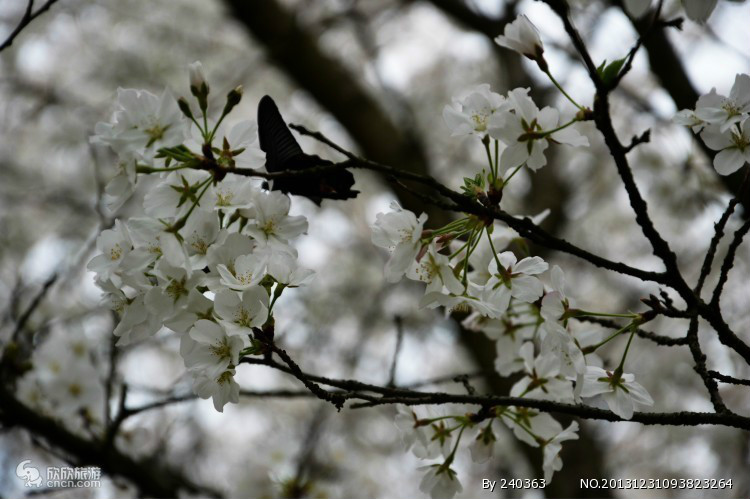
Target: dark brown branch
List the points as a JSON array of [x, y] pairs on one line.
[[295, 49], [660, 247], [153, 479], [357, 390], [665, 63], [334, 398], [35, 302], [28, 16], [719, 233], [700, 367], [603, 122], [728, 263], [729, 379], [525, 227]]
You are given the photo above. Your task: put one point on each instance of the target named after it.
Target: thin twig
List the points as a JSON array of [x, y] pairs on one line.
[[409, 397], [728, 263], [719, 233], [28, 16], [700, 367], [729, 379]]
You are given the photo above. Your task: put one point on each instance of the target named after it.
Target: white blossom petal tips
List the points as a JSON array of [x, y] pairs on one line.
[[399, 231], [620, 392], [523, 37]]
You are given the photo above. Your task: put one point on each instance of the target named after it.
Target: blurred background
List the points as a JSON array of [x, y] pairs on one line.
[[373, 75]]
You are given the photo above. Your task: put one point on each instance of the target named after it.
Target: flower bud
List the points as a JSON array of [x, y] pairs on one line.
[[233, 98], [185, 108], [522, 36], [197, 79]]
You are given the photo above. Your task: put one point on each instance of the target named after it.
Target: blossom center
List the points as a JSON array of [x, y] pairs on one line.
[[480, 121], [740, 141], [243, 318], [176, 289], [269, 228], [224, 199], [221, 350], [224, 378], [115, 253]]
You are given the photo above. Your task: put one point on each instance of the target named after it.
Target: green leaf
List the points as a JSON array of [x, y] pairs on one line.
[[610, 72]]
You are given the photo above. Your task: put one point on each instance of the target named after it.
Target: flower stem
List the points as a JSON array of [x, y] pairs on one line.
[[511, 175], [148, 169], [561, 89], [486, 143], [584, 313], [593, 348], [497, 160], [627, 347], [494, 251]]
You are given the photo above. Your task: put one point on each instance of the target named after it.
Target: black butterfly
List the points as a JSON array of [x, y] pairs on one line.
[[284, 153]]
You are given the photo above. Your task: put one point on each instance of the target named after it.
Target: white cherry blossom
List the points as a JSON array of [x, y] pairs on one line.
[[483, 446], [434, 269], [620, 393], [239, 313], [559, 344], [222, 388], [175, 195], [542, 380], [235, 192], [399, 231], [518, 130], [689, 117], [732, 109], [142, 124], [471, 111], [733, 146], [270, 221], [114, 244], [531, 426], [197, 307], [122, 186], [440, 481], [523, 37], [551, 460], [136, 322], [224, 252], [514, 279], [209, 349], [471, 299], [200, 232]]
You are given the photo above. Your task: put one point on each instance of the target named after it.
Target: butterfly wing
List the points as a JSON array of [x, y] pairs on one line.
[[283, 153], [276, 140]]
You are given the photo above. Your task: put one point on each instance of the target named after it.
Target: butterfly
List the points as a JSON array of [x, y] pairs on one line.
[[283, 153]]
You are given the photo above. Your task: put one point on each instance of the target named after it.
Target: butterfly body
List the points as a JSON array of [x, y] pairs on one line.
[[283, 153]]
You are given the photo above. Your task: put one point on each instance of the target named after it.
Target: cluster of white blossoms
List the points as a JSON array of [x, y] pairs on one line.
[[469, 267], [722, 123], [213, 254], [530, 320]]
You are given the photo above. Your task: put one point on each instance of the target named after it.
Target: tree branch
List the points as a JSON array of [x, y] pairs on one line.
[[700, 367], [152, 478], [357, 390], [28, 16]]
